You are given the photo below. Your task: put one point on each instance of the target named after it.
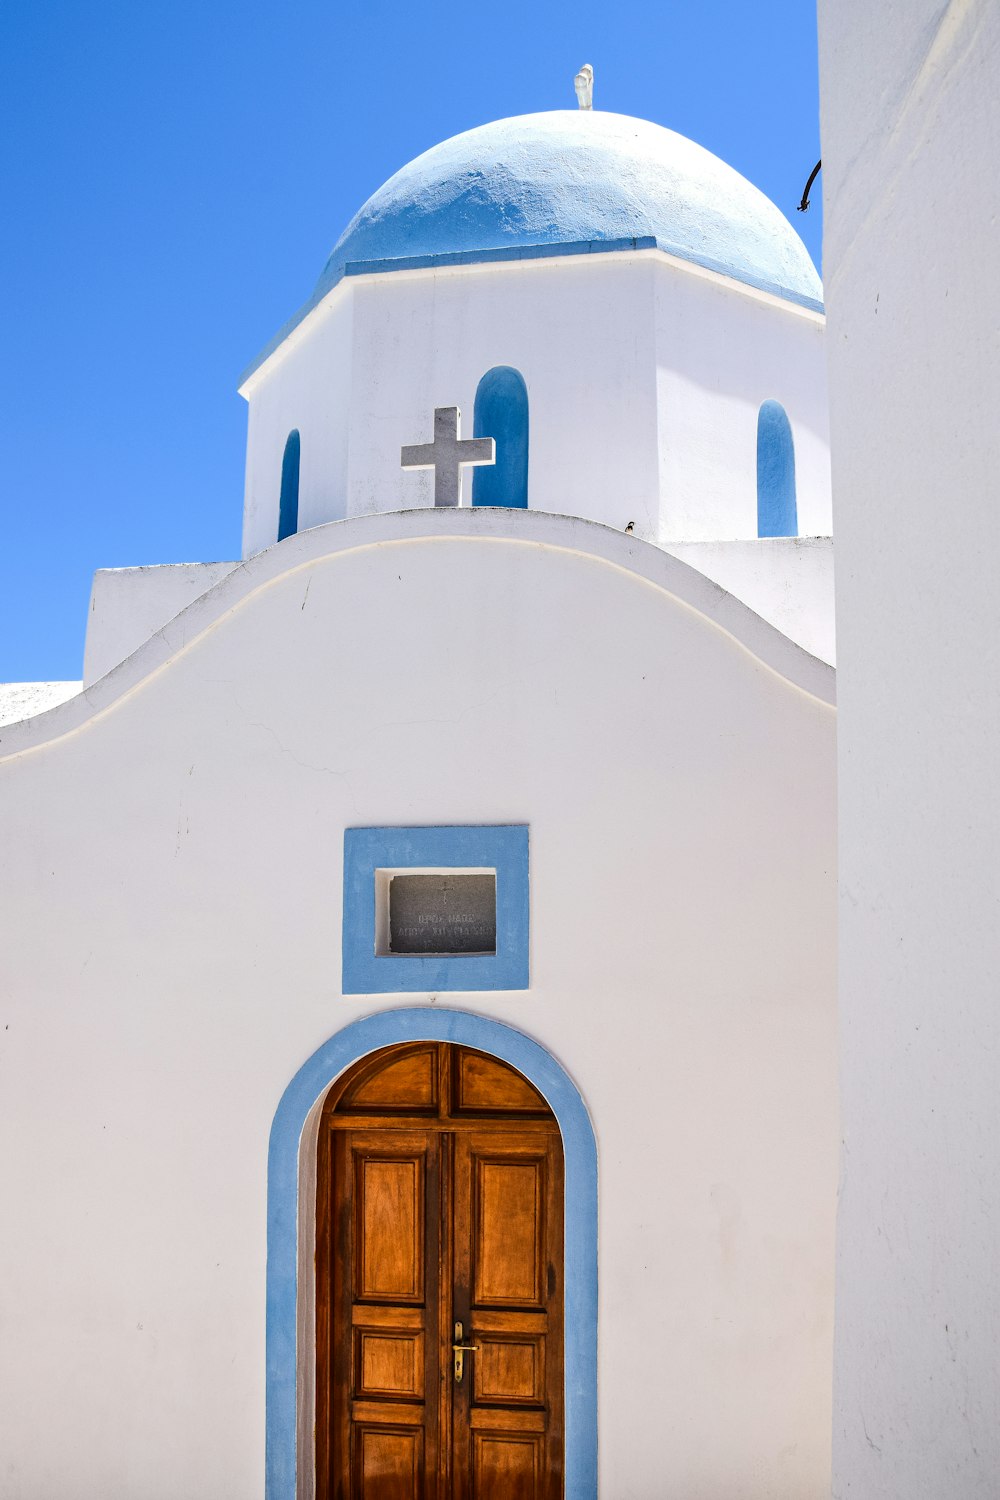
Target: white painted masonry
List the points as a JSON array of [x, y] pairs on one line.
[[722, 350], [175, 836], [313, 394], [788, 581], [910, 138], [645, 376], [191, 809]]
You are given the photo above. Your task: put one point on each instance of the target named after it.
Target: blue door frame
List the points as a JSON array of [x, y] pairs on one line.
[[427, 1023]]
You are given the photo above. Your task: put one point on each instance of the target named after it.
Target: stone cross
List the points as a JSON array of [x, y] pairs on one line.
[[448, 455]]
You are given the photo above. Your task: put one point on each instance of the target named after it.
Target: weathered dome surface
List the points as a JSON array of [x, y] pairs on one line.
[[575, 180]]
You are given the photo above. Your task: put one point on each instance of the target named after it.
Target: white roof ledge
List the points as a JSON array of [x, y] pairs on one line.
[[533, 528]]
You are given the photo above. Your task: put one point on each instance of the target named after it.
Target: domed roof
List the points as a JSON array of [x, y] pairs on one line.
[[575, 180]]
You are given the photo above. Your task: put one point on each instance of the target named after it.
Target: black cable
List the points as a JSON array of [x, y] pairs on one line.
[[805, 194]]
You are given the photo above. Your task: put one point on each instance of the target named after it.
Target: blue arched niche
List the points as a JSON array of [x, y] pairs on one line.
[[501, 412], [288, 506], [415, 1024], [776, 509]]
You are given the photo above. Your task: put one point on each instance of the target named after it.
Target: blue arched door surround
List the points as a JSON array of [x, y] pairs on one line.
[[288, 1304], [288, 506], [501, 412], [777, 513]]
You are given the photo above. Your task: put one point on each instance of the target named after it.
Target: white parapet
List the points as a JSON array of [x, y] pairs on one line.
[[786, 580], [128, 605]]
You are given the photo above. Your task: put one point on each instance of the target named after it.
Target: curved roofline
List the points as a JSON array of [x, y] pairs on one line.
[[456, 258], [641, 560]]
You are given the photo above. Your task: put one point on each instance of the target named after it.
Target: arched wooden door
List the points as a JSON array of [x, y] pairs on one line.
[[439, 1223]]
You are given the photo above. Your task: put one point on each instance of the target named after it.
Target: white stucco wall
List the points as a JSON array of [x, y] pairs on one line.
[[787, 581], [911, 130], [644, 377], [576, 327], [313, 392], [173, 905], [720, 354]]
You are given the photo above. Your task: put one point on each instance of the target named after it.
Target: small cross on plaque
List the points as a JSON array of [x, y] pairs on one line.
[[448, 455]]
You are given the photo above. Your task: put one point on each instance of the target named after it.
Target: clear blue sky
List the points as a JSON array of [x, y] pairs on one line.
[[173, 176]]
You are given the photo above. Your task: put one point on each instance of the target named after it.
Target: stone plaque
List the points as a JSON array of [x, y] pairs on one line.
[[443, 913]]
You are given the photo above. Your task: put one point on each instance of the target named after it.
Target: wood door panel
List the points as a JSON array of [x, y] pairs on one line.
[[509, 1371], [388, 1364], [484, 1419], [422, 1224], [388, 1463], [408, 1082], [509, 1244], [486, 1084], [366, 1316], [386, 1414], [506, 1466], [498, 1320], [389, 1246]]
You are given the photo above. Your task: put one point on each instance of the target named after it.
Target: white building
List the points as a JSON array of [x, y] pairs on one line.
[[594, 708]]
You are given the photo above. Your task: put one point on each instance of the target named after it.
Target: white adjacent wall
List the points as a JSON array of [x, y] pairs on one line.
[[911, 140], [172, 897]]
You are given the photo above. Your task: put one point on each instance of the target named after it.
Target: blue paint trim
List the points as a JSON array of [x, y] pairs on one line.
[[486, 256], [288, 504], [501, 412], [503, 848], [777, 512], [519, 252], [580, 1152]]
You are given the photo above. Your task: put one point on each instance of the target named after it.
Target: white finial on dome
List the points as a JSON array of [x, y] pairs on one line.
[[584, 85]]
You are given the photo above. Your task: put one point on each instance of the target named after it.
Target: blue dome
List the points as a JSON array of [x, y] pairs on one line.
[[574, 180]]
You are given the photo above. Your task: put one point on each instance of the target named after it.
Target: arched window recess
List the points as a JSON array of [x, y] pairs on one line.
[[777, 513], [288, 505], [501, 412]]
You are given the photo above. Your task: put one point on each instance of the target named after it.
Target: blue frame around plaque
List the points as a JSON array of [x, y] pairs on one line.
[[503, 848]]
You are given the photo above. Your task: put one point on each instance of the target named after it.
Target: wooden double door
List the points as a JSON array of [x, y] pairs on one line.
[[439, 1224]]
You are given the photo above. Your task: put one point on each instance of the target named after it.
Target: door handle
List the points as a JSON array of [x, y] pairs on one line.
[[460, 1350]]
